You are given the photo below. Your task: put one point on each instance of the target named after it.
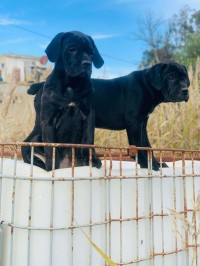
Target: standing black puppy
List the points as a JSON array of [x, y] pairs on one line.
[[67, 102], [126, 102]]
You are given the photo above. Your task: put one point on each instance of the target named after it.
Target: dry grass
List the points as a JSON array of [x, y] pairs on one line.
[[181, 226], [17, 113], [171, 125]]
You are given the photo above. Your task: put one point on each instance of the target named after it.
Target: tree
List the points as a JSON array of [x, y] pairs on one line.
[[152, 31], [165, 52], [180, 27], [189, 53], [186, 29], [179, 39], [196, 21]]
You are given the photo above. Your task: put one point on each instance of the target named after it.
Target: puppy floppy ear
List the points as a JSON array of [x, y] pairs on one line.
[[154, 75], [97, 59], [53, 49]]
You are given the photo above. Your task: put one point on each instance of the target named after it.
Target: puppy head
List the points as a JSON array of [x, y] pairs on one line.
[[73, 52], [171, 78]]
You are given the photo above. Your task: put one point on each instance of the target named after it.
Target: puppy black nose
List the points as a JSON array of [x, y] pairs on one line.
[[86, 63]]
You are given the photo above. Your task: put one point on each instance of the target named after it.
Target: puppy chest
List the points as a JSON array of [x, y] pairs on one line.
[[70, 95], [74, 103], [69, 128]]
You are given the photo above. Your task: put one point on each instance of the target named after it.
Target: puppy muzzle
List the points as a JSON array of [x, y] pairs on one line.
[[177, 96], [185, 93], [80, 71], [86, 63]]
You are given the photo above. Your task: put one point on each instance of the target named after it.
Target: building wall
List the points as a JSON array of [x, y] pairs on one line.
[[16, 68], [2, 67]]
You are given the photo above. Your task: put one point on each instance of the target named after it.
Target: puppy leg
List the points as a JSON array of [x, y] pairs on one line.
[[146, 143], [34, 136], [134, 133], [48, 152], [26, 151], [48, 114], [39, 163], [88, 138]]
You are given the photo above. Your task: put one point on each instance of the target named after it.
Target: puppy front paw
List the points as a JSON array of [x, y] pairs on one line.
[[164, 165], [96, 162], [155, 165]]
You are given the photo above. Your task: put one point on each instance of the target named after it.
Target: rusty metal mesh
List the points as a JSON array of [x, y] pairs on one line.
[[108, 156]]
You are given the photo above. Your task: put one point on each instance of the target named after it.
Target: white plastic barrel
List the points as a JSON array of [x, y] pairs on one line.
[[33, 208]]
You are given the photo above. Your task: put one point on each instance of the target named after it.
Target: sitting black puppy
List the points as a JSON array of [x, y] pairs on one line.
[[67, 113], [127, 102]]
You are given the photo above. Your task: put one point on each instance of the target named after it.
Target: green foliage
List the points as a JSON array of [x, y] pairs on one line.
[[196, 21], [180, 27], [165, 52], [180, 40], [189, 53]]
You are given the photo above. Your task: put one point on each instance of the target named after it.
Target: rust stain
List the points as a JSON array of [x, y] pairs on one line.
[[130, 151]]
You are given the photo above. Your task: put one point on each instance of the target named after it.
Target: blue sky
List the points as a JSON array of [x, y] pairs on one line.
[[110, 22]]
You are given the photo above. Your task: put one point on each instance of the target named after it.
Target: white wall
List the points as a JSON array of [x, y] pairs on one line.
[[11, 64]]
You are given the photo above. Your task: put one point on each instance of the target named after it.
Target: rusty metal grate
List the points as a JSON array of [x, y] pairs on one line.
[[146, 212]]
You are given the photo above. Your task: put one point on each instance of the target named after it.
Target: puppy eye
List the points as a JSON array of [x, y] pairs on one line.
[[171, 77], [72, 50]]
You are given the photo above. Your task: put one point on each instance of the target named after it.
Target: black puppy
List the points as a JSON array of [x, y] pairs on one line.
[[127, 102], [67, 102]]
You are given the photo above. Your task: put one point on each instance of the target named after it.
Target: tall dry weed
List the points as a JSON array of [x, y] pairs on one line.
[[17, 113], [182, 225], [6, 104]]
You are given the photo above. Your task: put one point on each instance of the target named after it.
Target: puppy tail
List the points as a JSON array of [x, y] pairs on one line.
[[34, 88]]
